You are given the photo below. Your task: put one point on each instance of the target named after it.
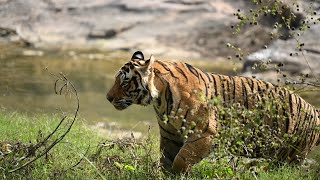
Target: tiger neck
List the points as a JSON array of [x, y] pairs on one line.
[[161, 82]]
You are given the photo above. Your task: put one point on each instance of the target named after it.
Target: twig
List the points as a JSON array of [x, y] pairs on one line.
[[85, 154], [60, 77], [102, 177]]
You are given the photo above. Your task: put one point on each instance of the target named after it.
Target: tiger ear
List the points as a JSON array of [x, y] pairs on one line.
[[147, 66], [149, 62], [137, 55]]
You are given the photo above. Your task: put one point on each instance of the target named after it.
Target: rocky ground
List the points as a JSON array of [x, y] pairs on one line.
[[286, 55], [172, 28]]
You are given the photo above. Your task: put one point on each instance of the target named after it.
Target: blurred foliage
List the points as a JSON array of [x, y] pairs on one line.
[[254, 142]]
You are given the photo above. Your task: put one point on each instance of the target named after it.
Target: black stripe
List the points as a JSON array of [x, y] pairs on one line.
[[215, 85], [182, 72], [140, 99], [248, 95], [223, 90], [159, 115], [284, 111], [259, 91], [209, 79], [309, 124], [234, 88], [244, 94], [259, 87], [263, 92], [160, 77], [306, 111], [205, 84], [159, 100], [135, 81], [273, 98], [228, 88], [167, 154], [247, 79], [178, 144], [318, 117], [193, 70], [169, 99], [167, 68], [298, 115], [314, 124], [178, 108], [254, 82], [267, 85], [163, 129], [306, 126], [138, 74], [290, 103], [251, 84]]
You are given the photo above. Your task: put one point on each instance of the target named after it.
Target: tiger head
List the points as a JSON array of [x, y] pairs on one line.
[[133, 83]]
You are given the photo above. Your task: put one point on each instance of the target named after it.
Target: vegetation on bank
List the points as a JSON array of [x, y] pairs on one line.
[[83, 154]]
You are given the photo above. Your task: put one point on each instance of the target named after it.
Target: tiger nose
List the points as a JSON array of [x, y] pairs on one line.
[[110, 98]]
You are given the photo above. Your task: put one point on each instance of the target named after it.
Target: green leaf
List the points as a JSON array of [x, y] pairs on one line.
[[129, 168], [229, 170], [118, 165]]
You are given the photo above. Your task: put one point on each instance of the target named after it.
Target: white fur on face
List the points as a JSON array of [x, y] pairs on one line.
[[152, 88]]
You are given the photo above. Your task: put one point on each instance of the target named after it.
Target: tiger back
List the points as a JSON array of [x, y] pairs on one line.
[[180, 95]]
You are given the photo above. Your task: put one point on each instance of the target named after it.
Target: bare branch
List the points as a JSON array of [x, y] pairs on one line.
[[61, 77]]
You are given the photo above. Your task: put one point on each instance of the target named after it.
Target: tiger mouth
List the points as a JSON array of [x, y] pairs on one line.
[[121, 104]]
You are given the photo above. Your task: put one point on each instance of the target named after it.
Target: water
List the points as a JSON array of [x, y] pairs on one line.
[[25, 86]]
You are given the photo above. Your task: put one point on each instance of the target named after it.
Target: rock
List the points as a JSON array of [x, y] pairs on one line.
[[32, 53], [285, 53], [172, 28], [293, 61], [181, 28]]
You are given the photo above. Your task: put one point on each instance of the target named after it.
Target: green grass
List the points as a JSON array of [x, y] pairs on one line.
[[20, 128], [111, 159]]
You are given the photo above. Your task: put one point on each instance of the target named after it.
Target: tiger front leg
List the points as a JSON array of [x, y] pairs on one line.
[[192, 152], [169, 149]]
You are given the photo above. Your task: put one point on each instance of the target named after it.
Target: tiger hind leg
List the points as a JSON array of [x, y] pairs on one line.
[[191, 153]]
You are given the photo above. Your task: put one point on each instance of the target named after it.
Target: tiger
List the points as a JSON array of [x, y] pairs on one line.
[[173, 89]]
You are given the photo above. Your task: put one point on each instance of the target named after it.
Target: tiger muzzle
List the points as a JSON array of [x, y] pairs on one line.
[[119, 104]]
